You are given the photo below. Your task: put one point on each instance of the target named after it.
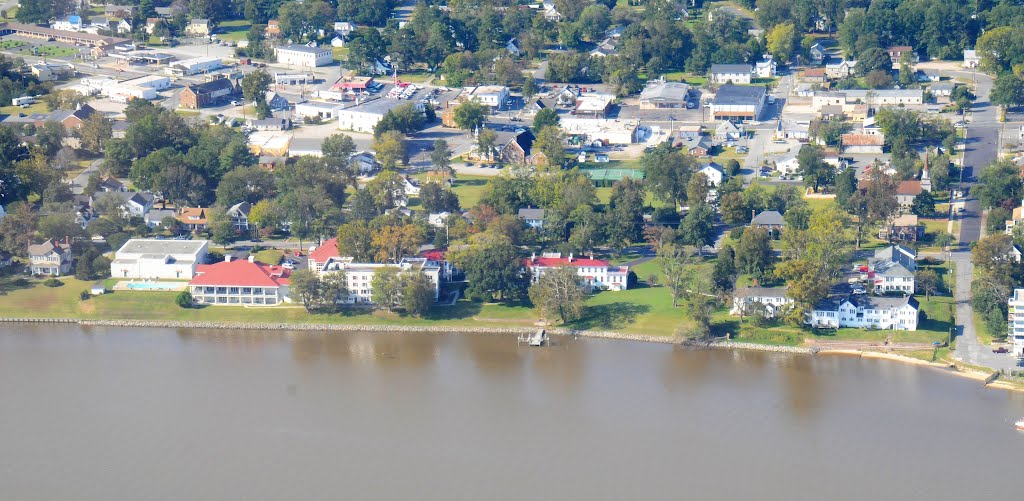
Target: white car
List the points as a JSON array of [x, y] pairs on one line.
[[288, 265]]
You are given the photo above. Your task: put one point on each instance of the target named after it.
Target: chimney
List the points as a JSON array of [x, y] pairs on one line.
[[67, 240], [228, 257], [533, 255], [252, 258], [570, 257]]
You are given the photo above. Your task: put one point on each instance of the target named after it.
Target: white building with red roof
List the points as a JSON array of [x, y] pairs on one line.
[[596, 273], [240, 283]]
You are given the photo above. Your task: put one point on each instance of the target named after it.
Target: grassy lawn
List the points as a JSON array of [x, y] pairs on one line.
[[643, 311], [340, 53], [269, 256], [817, 204], [415, 76], [54, 51], [981, 330], [682, 76], [233, 30], [39, 107], [11, 44], [468, 188]]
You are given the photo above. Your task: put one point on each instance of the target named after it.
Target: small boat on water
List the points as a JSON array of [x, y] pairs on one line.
[[1019, 424]]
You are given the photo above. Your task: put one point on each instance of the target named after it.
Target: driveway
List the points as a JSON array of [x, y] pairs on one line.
[[79, 182]]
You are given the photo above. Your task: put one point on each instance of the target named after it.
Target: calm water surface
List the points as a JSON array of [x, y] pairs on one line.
[[96, 413]]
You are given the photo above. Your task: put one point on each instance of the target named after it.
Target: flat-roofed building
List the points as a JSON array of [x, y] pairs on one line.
[[304, 56], [738, 103], [150, 258], [658, 95]]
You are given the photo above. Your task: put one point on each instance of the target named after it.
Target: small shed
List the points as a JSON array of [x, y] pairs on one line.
[[97, 289]]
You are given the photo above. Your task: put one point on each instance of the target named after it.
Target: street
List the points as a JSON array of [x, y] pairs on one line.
[[982, 149]]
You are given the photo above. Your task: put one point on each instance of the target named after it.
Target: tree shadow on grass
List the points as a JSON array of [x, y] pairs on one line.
[[610, 316], [460, 310]]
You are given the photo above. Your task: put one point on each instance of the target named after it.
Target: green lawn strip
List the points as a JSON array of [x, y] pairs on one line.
[[234, 30], [269, 256], [39, 107], [818, 204], [468, 188], [981, 329]]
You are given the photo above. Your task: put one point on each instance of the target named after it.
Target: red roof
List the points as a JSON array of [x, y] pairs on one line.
[[326, 251], [909, 188], [433, 255], [240, 273], [559, 261]]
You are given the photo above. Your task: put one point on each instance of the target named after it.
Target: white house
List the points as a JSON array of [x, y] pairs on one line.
[[304, 56], [841, 69], [865, 312], [411, 187], [892, 269], [240, 283], [364, 162], [51, 257], [714, 173], [133, 203], [971, 58], [488, 95], [438, 219], [344, 28], [773, 299], [594, 273], [363, 117], [359, 276], [72, 23], [534, 218], [730, 73], [788, 165], [239, 214], [765, 68], [1015, 322], [727, 131], [818, 53], [150, 258]]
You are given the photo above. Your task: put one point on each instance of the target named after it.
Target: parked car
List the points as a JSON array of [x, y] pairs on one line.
[[1001, 349], [742, 149]]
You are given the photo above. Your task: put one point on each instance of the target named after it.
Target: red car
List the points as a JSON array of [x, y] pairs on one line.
[[1001, 349]]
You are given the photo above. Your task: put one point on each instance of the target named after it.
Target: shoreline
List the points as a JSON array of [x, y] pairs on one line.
[[438, 329]]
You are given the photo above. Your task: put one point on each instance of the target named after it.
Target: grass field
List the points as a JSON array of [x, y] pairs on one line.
[[340, 53], [644, 310], [468, 188], [11, 44], [54, 51], [39, 107], [233, 30]]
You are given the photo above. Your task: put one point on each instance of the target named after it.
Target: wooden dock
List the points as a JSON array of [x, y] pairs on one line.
[[539, 338]]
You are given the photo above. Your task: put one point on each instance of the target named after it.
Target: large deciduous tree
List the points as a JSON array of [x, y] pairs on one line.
[[558, 294]]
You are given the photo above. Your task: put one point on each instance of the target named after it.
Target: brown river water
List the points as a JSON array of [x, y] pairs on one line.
[[107, 413]]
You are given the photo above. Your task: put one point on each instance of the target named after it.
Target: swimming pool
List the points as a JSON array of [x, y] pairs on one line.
[[152, 286]]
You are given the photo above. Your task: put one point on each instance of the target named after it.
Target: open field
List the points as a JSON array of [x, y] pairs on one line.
[[39, 107], [233, 30]]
